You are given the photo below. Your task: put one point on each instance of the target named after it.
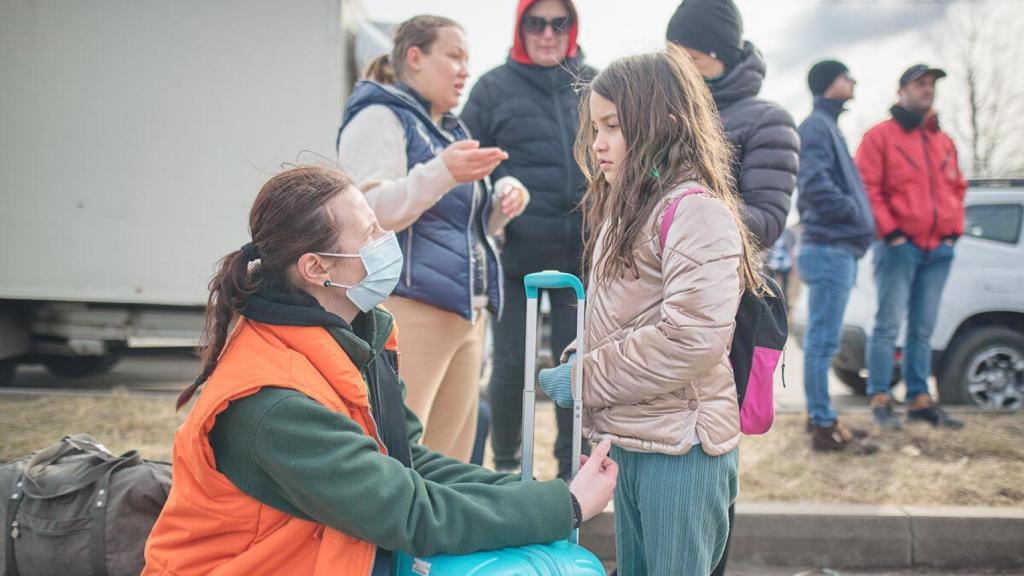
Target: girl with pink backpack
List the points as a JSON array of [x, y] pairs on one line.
[[669, 259]]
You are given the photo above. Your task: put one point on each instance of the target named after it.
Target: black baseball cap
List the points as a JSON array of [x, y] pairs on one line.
[[918, 70]]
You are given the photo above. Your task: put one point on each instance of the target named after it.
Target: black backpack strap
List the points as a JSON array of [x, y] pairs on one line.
[[11, 526]]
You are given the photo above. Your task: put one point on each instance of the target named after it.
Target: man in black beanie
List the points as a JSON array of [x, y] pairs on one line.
[[838, 228], [763, 133]]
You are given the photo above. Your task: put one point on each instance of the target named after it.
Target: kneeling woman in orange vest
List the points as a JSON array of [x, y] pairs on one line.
[[299, 455]]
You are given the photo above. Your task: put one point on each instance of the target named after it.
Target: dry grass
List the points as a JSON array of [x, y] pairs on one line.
[[981, 465], [122, 422]]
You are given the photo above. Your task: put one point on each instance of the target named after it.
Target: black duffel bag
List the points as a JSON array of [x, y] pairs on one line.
[[76, 509]]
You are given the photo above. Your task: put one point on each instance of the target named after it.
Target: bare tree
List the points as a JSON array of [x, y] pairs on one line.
[[983, 61]]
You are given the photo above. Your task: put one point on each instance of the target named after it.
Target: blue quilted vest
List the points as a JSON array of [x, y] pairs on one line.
[[438, 270]]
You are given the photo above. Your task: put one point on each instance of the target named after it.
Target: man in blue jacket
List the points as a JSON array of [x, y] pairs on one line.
[[837, 230]]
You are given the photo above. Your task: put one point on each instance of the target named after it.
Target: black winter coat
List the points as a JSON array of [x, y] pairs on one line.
[[766, 146], [532, 112]]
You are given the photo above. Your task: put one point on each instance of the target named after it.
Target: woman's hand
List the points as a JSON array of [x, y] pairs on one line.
[[594, 485], [513, 200], [468, 162]]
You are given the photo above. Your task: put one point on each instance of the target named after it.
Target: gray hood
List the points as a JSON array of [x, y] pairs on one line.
[[743, 81]]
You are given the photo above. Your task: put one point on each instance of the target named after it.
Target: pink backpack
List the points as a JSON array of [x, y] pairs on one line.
[[761, 332]]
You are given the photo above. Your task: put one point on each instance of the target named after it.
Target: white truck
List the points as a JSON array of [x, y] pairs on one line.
[[134, 136]]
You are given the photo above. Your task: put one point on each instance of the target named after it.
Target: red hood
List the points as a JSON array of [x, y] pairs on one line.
[[519, 49]]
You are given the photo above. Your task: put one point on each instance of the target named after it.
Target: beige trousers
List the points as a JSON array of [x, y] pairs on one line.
[[439, 359]]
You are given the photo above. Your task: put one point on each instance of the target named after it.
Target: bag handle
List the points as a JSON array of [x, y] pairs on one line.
[[670, 214], [80, 442], [70, 445]]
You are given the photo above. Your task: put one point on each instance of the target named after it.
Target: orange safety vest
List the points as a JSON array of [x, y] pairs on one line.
[[209, 526]]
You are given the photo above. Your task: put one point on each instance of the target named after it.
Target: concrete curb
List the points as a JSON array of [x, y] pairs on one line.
[[860, 536]]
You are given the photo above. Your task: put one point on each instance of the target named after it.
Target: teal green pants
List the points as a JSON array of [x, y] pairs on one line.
[[671, 512]]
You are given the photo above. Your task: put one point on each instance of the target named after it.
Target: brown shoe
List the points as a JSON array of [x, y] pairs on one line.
[[856, 432], [836, 438], [853, 431]]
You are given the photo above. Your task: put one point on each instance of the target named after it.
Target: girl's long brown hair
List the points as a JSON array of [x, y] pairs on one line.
[[288, 219], [419, 31], [673, 134]]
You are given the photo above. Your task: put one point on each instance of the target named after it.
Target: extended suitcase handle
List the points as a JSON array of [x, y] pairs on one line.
[[551, 280]]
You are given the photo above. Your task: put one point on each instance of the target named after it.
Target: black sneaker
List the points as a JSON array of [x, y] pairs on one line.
[[935, 416], [886, 417]]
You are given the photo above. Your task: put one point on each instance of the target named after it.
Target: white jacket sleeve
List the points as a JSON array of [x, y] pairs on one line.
[[372, 149], [497, 220]]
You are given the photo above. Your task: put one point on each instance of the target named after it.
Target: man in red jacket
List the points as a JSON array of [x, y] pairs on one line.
[[913, 180]]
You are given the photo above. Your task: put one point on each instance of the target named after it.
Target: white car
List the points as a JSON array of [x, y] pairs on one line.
[[978, 341]]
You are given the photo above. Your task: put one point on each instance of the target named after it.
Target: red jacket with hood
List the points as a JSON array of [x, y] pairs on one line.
[[518, 45], [913, 179]]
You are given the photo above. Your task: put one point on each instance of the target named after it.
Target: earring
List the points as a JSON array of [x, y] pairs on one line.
[[327, 283]]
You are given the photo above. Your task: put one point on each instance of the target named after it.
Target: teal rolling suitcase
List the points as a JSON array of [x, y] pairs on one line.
[[562, 558]]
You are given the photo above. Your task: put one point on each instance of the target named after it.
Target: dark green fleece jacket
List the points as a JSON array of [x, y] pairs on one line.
[[292, 453]]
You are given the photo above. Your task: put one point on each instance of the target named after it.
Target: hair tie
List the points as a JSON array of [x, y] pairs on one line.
[[249, 252]]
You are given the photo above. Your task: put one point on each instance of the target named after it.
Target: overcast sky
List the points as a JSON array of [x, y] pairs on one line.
[[877, 39]]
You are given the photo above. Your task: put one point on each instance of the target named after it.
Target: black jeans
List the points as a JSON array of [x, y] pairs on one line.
[[505, 391]]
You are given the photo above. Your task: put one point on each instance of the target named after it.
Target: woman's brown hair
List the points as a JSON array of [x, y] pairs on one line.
[[673, 134], [288, 219], [420, 32]]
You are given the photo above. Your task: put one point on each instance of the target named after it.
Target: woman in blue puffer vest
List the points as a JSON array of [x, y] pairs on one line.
[[424, 178]]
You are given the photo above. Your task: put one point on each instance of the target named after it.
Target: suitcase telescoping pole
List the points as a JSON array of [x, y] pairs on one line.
[[551, 280]]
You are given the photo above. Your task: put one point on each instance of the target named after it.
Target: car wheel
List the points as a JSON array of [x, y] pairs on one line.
[[80, 366], [985, 367], [853, 380], [859, 384]]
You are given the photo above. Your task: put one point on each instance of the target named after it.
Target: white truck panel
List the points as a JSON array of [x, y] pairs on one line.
[[134, 136]]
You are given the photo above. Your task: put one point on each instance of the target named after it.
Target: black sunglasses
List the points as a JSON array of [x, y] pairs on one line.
[[536, 25]]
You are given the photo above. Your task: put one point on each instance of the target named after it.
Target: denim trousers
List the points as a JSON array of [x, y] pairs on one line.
[[910, 282], [829, 273]]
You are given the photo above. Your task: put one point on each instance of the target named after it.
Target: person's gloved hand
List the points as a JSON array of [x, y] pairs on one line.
[[557, 383]]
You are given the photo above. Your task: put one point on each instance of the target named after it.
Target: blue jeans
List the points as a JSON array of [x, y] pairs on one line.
[[829, 273], [910, 283]]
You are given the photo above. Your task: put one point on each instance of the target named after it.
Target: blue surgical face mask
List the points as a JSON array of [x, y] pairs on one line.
[[383, 261]]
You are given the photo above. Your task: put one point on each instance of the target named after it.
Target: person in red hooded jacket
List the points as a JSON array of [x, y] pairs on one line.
[[529, 108], [913, 180]]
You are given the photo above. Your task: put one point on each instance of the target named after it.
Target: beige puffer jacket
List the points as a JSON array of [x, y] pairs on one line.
[[656, 365]]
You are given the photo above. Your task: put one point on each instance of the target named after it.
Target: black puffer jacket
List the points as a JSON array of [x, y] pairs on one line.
[[766, 144], [532, 112]]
